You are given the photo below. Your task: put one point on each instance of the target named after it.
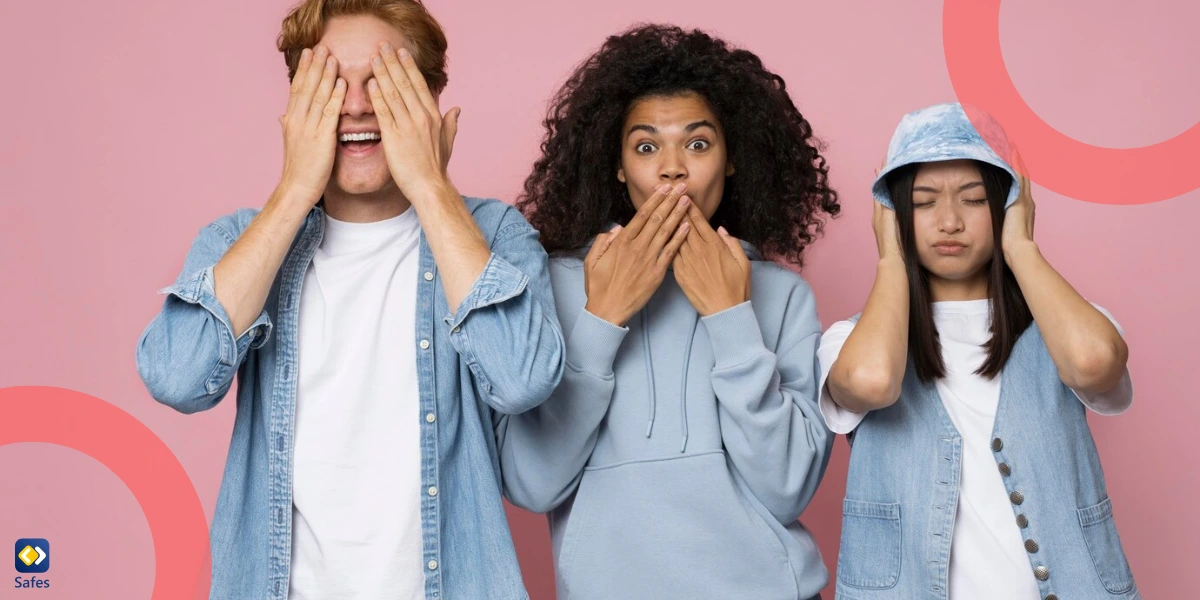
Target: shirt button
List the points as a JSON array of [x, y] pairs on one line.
[[429, 418], [997, 445], [424, 344], [1005, 470], [432, 490], [1016, 497], [428, 276], [1042, 573], [432, 565], [455, 330], [1031, 546], [1022, 522], [1051, 597]]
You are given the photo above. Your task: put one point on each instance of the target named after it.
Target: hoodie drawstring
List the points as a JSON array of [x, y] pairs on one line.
[[647, 355], [649, 370], [687, 361]]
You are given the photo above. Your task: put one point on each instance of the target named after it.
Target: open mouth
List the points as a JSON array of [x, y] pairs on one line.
[[356, 143]]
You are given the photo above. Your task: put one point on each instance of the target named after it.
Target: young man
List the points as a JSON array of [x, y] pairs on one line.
[[378, 322]]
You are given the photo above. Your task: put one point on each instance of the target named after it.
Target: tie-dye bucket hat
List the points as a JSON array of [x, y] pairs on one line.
[[944, 132]]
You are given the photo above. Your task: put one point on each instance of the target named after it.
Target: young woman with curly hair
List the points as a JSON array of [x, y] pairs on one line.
[[685, 439]]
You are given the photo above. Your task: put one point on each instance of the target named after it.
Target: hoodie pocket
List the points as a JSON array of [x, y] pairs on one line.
[[671, 528], [870, 554], [1100, 534]]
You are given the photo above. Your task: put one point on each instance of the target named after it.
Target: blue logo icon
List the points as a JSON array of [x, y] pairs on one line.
[[33, 555]]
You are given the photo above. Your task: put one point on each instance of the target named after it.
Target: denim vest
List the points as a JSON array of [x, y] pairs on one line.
[[902, 490], [501, 353]]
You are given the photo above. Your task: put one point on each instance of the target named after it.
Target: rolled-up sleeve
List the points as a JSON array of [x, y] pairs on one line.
[[506, 328], [188, 355]]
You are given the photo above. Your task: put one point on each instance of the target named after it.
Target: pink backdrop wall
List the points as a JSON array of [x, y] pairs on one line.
[[127, 126]]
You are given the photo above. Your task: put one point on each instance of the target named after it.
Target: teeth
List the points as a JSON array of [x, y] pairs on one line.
[[358, 137]]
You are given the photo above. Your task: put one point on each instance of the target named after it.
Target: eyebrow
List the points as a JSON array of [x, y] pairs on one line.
[[964, 187], [653, 130]]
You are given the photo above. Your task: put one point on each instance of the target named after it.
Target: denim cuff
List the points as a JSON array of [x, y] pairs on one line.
[[498, 282], [199, 290]]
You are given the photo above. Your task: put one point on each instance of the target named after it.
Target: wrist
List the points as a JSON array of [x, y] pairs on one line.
[[607, 314], [891, 261], [1020, 250], [292, 198], [433, 189]]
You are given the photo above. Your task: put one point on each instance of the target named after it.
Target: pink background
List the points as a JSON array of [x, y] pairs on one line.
[[128, 126]]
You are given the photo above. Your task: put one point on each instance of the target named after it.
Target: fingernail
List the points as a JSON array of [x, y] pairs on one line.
[[684, 200], [386, 47], [680, 187], [663, 188], [404, 53], [374, 85], [721, 229], [305, 53], [375, 60]]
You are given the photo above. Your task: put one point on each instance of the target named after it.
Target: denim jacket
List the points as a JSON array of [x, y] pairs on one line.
[[902, 490], [500, 353]]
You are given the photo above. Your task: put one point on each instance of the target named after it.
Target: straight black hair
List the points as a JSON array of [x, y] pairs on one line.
[[1009, 311]]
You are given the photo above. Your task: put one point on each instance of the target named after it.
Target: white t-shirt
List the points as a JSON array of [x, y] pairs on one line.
[[356, 519], [987, 558]]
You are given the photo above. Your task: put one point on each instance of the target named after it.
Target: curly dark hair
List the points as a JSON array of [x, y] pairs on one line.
[[774, 201]]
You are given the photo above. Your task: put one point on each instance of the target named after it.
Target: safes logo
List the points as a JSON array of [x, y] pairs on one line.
[[32, 556]]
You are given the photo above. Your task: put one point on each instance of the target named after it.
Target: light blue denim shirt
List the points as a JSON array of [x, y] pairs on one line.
[[501, 353]]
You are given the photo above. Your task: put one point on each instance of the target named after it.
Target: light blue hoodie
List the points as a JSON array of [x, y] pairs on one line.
[[677, 453]]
